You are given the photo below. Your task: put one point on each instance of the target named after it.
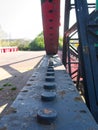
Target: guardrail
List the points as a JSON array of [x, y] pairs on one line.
[[8, 49]]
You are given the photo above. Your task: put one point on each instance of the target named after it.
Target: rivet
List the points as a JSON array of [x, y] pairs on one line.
[[50, 70], [51, 67], [50, 74], [48, 96], [49, 86], [31, 80], [29, 84], [46, 116], [50, 78]]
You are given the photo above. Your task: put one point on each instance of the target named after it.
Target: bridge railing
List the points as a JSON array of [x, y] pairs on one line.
[[8, 49]]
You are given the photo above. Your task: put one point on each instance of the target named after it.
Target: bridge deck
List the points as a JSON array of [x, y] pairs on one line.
[[72, 113]]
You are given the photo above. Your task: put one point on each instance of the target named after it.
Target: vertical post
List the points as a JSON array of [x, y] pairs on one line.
[[88, 57], [96, 44], [66, 26], [96, 4]]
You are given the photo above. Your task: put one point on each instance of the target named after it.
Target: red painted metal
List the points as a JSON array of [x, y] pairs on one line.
[[51, 22], [8, 49]]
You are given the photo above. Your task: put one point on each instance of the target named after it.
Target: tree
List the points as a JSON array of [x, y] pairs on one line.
[[38, 43]]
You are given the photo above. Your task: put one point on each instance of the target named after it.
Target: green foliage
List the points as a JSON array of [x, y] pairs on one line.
[[24, 46], [60, 43], [4, 43], [14, 88], [37, 43], [1, 89], [20, 43], [7, 84]]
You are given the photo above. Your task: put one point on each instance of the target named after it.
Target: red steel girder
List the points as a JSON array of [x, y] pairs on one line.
[[51, 22]]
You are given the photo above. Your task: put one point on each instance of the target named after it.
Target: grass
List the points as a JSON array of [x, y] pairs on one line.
[[1, 89], [13, 88], [7, 84]]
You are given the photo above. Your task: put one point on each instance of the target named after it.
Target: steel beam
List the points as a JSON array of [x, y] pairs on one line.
[[71, 30], [66, 27], [96, 4], [88, 56]]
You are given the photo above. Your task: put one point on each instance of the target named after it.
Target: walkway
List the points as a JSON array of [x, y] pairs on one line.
[[15, 70]]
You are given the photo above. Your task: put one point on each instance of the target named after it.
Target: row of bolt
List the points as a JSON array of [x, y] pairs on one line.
[[48, 115]]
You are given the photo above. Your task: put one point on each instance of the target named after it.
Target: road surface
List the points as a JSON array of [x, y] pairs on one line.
[[15, 70]]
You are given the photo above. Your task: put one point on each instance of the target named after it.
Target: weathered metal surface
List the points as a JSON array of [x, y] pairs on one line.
[[87, 28], [72, 113]]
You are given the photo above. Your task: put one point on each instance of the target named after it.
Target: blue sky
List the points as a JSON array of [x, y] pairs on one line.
[[22, 18]]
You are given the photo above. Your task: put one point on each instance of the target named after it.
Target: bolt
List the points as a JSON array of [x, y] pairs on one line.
[[50, 78], [48, 96]]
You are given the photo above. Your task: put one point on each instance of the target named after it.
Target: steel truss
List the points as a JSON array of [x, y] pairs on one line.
[[86, 55]]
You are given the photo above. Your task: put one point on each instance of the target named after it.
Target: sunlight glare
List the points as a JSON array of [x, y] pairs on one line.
[[4, 74], [3, 107]]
